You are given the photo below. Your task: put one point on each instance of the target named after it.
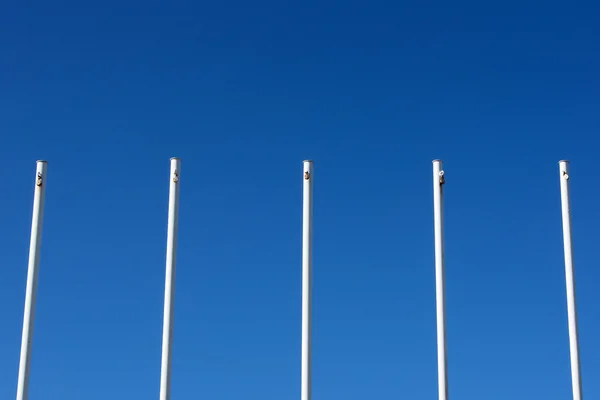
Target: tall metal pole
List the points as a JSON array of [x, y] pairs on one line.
[[35, 244], [570, 278], [440, 296], [307, 210], [167, 343]]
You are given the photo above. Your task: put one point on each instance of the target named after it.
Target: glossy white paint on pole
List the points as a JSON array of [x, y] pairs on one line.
[[440, 295], [35, 244], [167, 340], [307, 208], [570, 278]]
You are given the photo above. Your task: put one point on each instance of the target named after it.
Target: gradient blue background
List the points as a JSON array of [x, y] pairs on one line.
[[243, 92]]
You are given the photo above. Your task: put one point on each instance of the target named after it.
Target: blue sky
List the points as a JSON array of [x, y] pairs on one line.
[[243, 92]]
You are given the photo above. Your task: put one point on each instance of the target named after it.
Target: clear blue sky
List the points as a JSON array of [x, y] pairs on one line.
[[243, 92]]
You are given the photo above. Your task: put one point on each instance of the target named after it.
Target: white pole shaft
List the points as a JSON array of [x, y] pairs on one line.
[[570, 278], [32, 278], [307, 210], [167, 340], [440, 296]]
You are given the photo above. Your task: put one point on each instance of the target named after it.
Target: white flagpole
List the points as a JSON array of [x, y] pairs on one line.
[[307, 208], [167, 343], [570, 279], [438, 198], [35, 244]]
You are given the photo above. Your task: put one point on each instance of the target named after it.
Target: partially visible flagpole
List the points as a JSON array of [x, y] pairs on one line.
[[570, 279], [35, 245], [307, 208], [167, 341], [440, 295]]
